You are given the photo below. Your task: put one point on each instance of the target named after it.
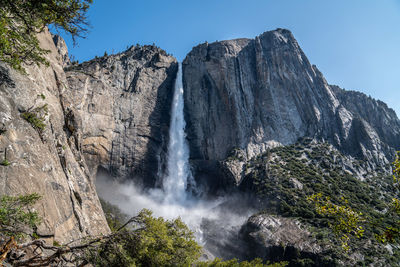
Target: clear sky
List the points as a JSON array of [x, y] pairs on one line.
[[355, 43]]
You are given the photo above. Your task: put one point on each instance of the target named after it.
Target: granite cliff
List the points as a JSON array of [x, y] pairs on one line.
[[245, 96], [124, 101], [41, 140], [60, 124], [260, 119]]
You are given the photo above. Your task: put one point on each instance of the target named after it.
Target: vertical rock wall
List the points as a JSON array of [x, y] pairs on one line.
[[124, 101], [49, 161], [251, 95]]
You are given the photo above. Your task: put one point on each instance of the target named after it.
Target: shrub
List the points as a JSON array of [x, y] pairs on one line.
[[152, 242], [5, 162], [36, 118]]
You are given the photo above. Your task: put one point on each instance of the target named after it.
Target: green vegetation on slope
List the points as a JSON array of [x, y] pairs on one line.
[[348, 221], [284, 177], [235, 263]]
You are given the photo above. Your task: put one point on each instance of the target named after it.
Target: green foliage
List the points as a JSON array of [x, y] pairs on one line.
[[392, 231], [276, 176], [396, 168], [42, 96], [21, 20], [165, 243], [16, 214], [284, 177], [235, 263], [35, 236], [36, 118], [304, 262], [151, 242], [345, 220], [37, 122], [114, 216], [5, 162]]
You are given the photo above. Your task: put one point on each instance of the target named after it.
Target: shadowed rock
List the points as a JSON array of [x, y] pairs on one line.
[[124, 101]]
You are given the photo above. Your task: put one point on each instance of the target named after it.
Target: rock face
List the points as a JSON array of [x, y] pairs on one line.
[[62, 50], [242, 97], [124, 101], [280, 239], [261, 117], [112, 112], [45, 154], [255, 94]]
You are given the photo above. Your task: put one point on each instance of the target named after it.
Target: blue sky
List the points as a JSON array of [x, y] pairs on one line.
[[355, 43]]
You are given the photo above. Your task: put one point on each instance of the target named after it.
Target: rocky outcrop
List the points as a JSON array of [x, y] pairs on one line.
[[276, 238], [124, 101], [62, 50], [255, 94], [44, 151], [378, 123]]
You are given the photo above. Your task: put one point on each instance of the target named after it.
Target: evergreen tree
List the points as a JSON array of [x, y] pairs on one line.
[[22, 20]]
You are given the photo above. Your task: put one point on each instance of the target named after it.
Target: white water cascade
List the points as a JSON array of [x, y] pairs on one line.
[[178, 173], [173, 200]]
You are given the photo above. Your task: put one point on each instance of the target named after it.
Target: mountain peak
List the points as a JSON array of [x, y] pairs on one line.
[[265, 93]]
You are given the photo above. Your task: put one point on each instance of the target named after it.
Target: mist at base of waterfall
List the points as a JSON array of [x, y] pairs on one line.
[[215, 222]]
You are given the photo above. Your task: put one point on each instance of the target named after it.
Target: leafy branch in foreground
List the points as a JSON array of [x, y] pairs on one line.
[[22, 20], [151, 242], [17, 219], [17, 216], [143, 240]]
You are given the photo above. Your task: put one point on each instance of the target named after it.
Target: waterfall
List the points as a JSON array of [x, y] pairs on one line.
[[174, 199], [178, 173]]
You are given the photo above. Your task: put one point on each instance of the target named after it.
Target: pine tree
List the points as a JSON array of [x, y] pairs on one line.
[[22, 20]]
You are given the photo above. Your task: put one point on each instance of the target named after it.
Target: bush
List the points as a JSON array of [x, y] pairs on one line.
[[36, 118], [152, 242], [5, 162]]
